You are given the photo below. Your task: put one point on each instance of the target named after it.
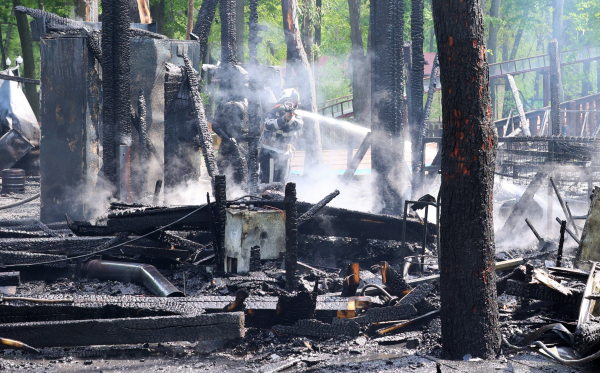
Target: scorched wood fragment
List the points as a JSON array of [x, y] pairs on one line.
[[318, 329], [154, 329]]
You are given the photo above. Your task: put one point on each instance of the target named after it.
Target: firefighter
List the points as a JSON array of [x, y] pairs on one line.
[[281, 130]]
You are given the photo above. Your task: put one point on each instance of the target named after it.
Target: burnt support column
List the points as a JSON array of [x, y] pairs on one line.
[[144, 152], [116, 83], [201, 29], [228, 46], [291, 236], [220, 217], [554, 87], [387, 103]]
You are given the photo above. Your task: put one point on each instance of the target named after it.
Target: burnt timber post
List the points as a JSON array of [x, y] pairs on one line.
[[116, 81], [387, 101], [201, 29], [291, 236], [469, 307], [416, 114], [220, 219]]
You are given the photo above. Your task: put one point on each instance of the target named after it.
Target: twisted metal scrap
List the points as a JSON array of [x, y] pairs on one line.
[[205, 137]]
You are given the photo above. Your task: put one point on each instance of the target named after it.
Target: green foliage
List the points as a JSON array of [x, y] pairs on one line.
[[332, 80]]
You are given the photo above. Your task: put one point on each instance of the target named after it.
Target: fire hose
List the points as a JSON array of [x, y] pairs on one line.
[[20, 202]]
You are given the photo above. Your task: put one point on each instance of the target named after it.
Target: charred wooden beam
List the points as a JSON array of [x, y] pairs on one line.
[[204, 132], [291, 308], [318, 206], [70, 246], [228, 42], [153, 329], [220, 218], [10, 278], [291, 236], [318, 329], [253, 38], [115, 83], [25, 258], [587, 336], [522, 204], [399, 312], [12, 233], [416, 295], [176, 241], [540, 292], [201, 29], [358, 157]]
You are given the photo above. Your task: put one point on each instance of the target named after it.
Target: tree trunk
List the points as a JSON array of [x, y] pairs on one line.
[[431, 37], [387, 104], [190, 19], [509, 101], [586, 84], [358, 67], [41, 4], [79, 10], [307, 24], [492, 46], [201, 29], [469, 308], [557, 26], [228, 46], [28, 61], [3, 56], [239, 29], [319, 4], [553, 50], [7, 41], [158, 15], [416, 80], [298, 61]]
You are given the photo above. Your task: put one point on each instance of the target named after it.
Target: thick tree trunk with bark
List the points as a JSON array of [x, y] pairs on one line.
[[387, 104], [298, 62], [2, 55], [307, 27], [79, 10], [361, 79], [416, 81], [469, 308], [28, 61]]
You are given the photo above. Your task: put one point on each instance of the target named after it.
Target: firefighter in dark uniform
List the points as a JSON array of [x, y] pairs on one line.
[[281, 130]]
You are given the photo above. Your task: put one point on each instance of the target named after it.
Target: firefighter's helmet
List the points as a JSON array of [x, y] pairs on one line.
[[289, 95]]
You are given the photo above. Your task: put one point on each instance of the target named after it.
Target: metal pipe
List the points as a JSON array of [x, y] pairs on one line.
[[144, 274]]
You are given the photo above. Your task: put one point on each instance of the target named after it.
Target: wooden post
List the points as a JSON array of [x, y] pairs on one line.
[[555, 87], [291, 236]]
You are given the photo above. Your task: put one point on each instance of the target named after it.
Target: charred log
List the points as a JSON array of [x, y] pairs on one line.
[[291, 236], [201, 29], [318, 329]]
